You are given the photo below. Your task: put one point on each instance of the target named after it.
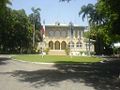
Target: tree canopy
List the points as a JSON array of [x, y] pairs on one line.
[[16, 29]]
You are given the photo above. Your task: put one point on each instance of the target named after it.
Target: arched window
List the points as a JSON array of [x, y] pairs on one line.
[[78, 44], [71, 44], [57, 45], [51, 44], [57, 34], [51, 34], [63, 45], [63, 34]]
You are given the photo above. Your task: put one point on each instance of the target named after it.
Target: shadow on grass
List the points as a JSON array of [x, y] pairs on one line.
[[3, 60], [101, 76], [71, 62]]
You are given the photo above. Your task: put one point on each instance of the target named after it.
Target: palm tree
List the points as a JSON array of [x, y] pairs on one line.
[[35, 15], [35, 20], [87, 11], [94, 18]]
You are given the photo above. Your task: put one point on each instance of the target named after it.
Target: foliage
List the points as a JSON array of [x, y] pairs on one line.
[[38, 36], [92, 53], [113, 14], [15, 30], [83, 53], [104, 21], [3, 5], [16, 34], [64, 0], [104, 18], [47, 50], [67, 51], [35, 20]]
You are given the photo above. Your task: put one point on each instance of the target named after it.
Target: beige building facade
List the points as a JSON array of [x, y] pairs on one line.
[[59, 37]]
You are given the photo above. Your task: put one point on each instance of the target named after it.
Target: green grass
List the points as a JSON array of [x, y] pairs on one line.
[[57, 59]]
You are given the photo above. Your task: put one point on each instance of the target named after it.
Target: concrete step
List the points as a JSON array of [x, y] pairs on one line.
[[57, 52]]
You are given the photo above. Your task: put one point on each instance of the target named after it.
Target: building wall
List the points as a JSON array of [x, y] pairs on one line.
[[61, 37]]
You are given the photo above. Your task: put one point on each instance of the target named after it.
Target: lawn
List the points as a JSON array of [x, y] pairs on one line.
[[57, 59]]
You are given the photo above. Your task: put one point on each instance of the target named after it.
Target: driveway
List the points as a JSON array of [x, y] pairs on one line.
[[16, 75]]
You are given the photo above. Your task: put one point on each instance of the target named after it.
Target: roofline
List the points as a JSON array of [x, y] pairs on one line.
[[63, 25]]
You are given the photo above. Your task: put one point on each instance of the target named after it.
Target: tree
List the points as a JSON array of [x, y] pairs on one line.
[[102, 19], [22, 30], [36, 22], [3, 5], [87, 11], [113, 12], [15, 36], [95, 19], [65, 0], [4, 10]]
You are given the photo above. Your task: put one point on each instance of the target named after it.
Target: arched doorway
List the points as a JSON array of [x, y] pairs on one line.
[[51, 44], [63, 45], [57, 45]]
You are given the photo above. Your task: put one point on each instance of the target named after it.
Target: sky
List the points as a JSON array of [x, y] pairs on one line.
[[54, 11]]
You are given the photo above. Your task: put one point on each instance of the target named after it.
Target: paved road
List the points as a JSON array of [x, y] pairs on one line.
[[16, 75]]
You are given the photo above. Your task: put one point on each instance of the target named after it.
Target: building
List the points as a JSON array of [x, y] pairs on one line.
[[59, 37]]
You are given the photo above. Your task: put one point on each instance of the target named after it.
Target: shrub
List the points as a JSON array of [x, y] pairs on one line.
[[92, 53], [67, 50], [47, 50], [81, 52]]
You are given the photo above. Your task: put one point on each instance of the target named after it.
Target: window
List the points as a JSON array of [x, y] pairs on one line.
[[63, 45], [63, 34], [78, 44], [71, 44], [57, 34], [51, 33], [51, 44]]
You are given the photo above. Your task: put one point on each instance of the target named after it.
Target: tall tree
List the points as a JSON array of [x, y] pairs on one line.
[[4, 16], [21, 30], [15, 37], [35, 20], [94, 19], [87, 11]]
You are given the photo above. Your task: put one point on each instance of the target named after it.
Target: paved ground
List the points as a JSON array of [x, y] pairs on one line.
[[15, 75]]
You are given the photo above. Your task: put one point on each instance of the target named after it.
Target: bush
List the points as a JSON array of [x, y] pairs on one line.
[[81, 52], [67, 50], [92, 53], [47, 50]]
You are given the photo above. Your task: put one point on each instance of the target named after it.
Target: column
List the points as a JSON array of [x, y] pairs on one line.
[[78, 34], [73, 33], [53, 45], [60, 45], [68, 34]]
